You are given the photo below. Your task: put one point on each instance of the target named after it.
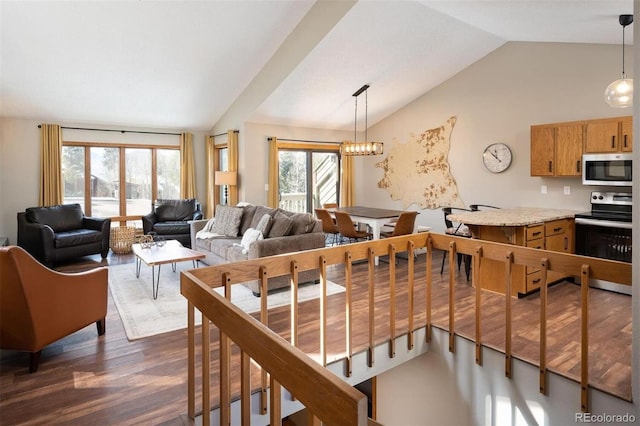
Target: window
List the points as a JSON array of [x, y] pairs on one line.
[[119, 181], [308, 178]]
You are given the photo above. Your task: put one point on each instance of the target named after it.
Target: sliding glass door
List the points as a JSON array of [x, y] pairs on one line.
[[308, 179]]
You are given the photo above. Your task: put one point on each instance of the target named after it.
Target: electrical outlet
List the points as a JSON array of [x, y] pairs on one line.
[[567, 190], [266, 186], [543, 189]]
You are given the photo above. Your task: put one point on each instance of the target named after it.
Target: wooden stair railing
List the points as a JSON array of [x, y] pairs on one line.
[[325, 395]]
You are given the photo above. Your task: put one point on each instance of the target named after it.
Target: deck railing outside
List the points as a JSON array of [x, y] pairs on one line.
[[326, 396]]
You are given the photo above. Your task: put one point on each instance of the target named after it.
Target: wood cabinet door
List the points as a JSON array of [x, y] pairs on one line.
[[569, 150], [626, 135], [602, 136], [542, 150]]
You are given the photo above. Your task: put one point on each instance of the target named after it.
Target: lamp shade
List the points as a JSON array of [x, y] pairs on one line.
[[226, 178], [619, 94]]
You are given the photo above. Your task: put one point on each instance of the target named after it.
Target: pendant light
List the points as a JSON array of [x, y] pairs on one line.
[[619, 94], [366, 147]]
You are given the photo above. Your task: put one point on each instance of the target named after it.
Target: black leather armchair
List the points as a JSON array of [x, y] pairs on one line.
[[58, 233], [170, 219]]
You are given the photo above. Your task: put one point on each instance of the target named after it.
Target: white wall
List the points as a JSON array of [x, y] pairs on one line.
[[441, 388], [497, 99], [254, 153]]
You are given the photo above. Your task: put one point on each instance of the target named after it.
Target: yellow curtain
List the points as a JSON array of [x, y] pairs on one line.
[[210, 170], [50, 165], [232, 146], [347, 181], [187, 167], [272, 195]]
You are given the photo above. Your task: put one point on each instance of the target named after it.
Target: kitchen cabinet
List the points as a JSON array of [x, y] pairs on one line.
[[549, 229], [556, 149], [609, 135]]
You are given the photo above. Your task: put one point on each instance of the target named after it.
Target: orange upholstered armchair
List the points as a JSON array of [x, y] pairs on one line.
[[39, 306]]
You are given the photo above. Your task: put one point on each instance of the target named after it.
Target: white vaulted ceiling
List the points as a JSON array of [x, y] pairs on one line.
[[185, 64]]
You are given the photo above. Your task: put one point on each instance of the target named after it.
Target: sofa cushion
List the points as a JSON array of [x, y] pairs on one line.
[[303, 223], [261, 211], [247, 217], [60, 218], [281, 225], [264, 225], [228, 220], [175, 210], [236, 254], [77, 237], [220, 246], [250, 236]]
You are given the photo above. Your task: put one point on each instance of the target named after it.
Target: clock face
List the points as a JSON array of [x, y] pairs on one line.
[[497, 157]]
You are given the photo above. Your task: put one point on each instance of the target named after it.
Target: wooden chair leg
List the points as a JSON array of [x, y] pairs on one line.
[[102, 326], [444, 257], [34, 361]]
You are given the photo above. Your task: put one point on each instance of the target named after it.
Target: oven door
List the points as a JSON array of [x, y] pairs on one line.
[[606, 239]]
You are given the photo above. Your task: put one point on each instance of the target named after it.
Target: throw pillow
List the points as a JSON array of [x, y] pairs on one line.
[[250, 236], [281, 226], [264, 225], [209, 226], [227, 220], [302, 223]]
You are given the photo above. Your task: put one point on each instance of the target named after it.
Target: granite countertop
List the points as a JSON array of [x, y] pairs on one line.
[[520, 216]]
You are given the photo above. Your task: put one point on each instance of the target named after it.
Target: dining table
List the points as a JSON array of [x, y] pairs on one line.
[[375, 217]]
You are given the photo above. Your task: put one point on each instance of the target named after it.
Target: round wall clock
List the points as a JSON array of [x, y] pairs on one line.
[[497, 157]]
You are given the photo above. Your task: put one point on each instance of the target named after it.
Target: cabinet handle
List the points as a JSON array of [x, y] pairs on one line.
[[537, 233], [536, 281], [557, 229], [578, 166], [550, 166], [613, 141], [625, 141], [566, 244]]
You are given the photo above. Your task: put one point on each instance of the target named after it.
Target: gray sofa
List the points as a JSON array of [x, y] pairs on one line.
[[221, 238]]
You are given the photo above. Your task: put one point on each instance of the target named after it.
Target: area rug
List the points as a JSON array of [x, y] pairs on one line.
[[142, 316]]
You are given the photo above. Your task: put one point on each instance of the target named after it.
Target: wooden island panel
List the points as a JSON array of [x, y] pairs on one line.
[[549, 229]]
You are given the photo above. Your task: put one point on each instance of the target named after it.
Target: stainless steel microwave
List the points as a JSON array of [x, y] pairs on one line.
[[607, 169]]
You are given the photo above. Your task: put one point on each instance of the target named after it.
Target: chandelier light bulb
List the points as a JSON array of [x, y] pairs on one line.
[[619, 94]]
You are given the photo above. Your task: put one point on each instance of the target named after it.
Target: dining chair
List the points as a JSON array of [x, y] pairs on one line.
[[459, 230], [329, 227], [478, 207], [347, 228], [330, 205], [403, 226]]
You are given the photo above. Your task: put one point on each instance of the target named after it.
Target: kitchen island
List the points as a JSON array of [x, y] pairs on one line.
[[541, 228]]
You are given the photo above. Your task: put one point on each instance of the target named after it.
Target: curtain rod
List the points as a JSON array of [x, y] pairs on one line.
[[304, 141], [225, 133], [118, 131]]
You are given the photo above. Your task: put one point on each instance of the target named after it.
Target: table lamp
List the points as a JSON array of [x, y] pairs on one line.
[[226, 179]]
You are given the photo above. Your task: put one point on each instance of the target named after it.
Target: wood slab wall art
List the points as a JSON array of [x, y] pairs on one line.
[[418, 171]]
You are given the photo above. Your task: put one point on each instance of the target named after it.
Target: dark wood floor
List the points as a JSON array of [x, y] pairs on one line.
[[86, 379]]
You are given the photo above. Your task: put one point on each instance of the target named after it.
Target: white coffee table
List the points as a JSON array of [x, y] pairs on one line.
[[171, 252]]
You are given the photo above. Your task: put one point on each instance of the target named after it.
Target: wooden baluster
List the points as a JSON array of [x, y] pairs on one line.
[[348, 314], [294, 303], [475, 281], [372, 313], [225, 363], [452, 296], [507, 343], [411, 267], [544, 264], [584, 330], [206, 373], [275, 400], [323, 310], [191, 360], [392, 300], [245, 388], [428, 289], [264, 318]]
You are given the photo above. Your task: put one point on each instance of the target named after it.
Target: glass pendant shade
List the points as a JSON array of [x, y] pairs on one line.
[[619, 94]]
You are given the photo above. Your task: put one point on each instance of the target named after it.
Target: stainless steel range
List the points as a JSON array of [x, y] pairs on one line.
[[605, 232]]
